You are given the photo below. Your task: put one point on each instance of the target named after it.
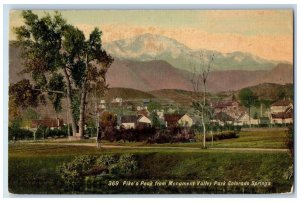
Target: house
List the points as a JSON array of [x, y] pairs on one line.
[[50, 123], [281, 106], [185, 120], [222, 106], [128, 121], [281, 112], [117, 100], [173, 120], [243, 119], [160, 113], [143, 120], [231, 112], [132, 121], [222, 118], [282, 118], [139, 108]]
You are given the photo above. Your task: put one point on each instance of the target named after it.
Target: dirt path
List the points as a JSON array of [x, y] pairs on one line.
[[182, 148]]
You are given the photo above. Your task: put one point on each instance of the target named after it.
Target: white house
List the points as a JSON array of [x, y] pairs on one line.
[[117, 100], [281, 106], [160, 113], [173, 120], [244, 120], [281, 112], [144, 119], [185, 120], [131, 121]]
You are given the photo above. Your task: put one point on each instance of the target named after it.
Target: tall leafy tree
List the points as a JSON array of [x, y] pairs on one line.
[[62, 62]]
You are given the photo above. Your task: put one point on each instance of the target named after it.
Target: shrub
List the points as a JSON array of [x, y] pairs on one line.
[[16, 133], [41, 132], [107, 160], [222, 135], [127, 163], [290, 139], [91, 168], [72, 173]]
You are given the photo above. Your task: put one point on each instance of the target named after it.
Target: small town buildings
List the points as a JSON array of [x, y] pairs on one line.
[[139, 108], [173, 120], [50, 123], [281, 112], [117, 100], [244, 119], [222, 106], [160, 113], [132, 121], [185, 120], [221, 118], [231, 112], [281, 106], [282, 118]]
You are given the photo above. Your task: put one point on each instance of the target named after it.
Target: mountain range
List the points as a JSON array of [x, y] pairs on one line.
[[149, 47], [160, 74], [155, 75]]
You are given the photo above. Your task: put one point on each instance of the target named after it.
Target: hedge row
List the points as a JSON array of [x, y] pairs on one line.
[[222, 136], [19, 134]]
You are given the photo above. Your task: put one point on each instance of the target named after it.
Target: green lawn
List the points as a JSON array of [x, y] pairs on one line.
[[32, 168]]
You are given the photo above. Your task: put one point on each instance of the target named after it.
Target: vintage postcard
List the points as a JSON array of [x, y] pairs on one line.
[[151, 101]]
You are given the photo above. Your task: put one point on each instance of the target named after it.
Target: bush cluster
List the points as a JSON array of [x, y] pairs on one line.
[[16, 133], [222, 136], [86, 167], [44, 132], [131, 135], [172, 135]]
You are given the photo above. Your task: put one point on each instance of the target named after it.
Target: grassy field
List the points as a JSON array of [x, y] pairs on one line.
[[32, 169]]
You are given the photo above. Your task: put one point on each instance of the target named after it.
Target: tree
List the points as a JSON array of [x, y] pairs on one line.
[[153, 105], [108, 119], [62, 62], [199, 79], [248, 99], [14, 111], [156, 122], [282, 94]]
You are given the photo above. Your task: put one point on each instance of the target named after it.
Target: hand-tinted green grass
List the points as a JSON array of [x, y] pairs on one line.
[[32, 167]]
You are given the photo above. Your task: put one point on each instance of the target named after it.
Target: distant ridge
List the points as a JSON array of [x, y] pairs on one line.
[[156, 75], [159, 74]]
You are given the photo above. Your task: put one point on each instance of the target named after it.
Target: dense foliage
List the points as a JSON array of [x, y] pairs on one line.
[[62, 63], [86, 168]]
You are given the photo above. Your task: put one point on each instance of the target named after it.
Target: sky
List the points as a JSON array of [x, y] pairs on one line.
[[265, 33]]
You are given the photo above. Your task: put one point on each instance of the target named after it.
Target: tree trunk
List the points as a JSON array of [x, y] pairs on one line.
[[203, 122], [249, 117], [69, 100], [82, 110]]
